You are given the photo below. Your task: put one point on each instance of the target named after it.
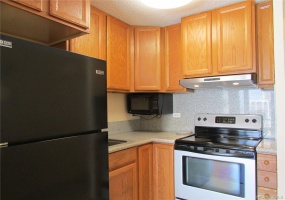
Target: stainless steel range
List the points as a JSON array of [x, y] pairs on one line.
[[218, 162]]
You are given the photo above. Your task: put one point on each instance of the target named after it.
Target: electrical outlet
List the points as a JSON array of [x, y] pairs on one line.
[[176, 115]]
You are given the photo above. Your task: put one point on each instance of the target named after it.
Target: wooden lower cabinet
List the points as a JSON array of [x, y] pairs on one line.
[[123, 183], [145, 165], [163, 171], [266, 176], [144, 173]]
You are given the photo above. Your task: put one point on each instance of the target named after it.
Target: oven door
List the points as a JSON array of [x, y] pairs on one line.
[[204, 177]]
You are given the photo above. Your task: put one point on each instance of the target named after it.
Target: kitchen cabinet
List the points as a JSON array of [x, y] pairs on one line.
[[147, 65], [145, 165], [219, 42], [37, 5], [119, 35], [235, 38], [94, 43], [197, 45], [123, 183], [266, 176], [172, 58], [76, 12], [47, 22], [163, 171], [265, 44]]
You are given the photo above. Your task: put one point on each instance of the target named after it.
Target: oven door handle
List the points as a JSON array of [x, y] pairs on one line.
[[251, 155]]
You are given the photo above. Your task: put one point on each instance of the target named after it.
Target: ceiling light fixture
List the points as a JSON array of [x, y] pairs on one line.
[[165, 4]]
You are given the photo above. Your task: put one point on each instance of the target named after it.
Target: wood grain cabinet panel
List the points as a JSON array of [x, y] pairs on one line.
[[235, 38], [163, 171], [147, 59], [123, 183], [266, 193], [145, 165], [76, 12], [94, 43], [118, 55], [197, 45], [265, 44], [35, 4], [123, 175], [266, 176], [267, 179], [173, 59], [266, 162], [45, 21], [122, 158]]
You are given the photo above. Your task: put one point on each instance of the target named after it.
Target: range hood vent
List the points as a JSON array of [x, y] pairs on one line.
[[241, 80]]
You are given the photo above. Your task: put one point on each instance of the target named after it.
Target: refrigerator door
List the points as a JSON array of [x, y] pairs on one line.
[[70, 168], [49, 93]]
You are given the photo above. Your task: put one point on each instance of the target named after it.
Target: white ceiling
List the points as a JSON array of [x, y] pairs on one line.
[[134, 12]]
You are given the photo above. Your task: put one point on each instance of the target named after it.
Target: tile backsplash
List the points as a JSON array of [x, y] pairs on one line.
[[217, 101]]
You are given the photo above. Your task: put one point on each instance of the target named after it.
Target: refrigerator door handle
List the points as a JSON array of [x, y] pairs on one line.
[[4, 144]]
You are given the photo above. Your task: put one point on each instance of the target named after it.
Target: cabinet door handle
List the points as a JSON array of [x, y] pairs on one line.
[[266, 179], [267, 196], [266, 162]]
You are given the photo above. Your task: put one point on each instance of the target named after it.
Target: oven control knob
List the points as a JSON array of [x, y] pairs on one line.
[[254, 120], [205, 119], [246, 120], [199, 118]]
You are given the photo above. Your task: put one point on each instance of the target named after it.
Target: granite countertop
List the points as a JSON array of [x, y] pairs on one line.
[[137, 138], [267, 146]]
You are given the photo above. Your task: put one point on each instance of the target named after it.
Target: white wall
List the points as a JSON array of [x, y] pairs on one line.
[[117, 108], [279, 93]]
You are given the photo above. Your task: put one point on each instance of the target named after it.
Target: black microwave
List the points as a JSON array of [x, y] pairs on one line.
[[150, 103]]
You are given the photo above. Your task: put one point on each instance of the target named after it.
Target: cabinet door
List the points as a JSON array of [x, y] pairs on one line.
[[173, 67], [147, 59], [72, 11], [265, 43], [94, 43], [145, 165], [197, 45], [163, 171], [123, 183], [235, 39], [118, 54], [36, 4]]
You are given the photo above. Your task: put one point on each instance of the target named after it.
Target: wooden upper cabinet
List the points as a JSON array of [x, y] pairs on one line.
[[197, 45], [147, 59], [265, 44], [35, 4], [93, 44], [45, 21], [235, 47], [173, 63], [76, 12], [118, 55]]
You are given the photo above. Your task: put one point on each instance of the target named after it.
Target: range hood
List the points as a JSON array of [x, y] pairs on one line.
[[240, 80]]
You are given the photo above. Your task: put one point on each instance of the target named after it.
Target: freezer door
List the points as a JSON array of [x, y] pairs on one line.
[[48, 93], [74, 168]]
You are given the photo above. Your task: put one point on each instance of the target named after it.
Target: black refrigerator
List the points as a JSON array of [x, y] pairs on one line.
[[53, 110]]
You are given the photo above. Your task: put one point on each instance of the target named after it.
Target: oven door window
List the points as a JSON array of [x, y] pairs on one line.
[[218, 176]]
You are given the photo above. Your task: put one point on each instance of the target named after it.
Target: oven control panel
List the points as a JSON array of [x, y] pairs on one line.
[[229, 121]]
